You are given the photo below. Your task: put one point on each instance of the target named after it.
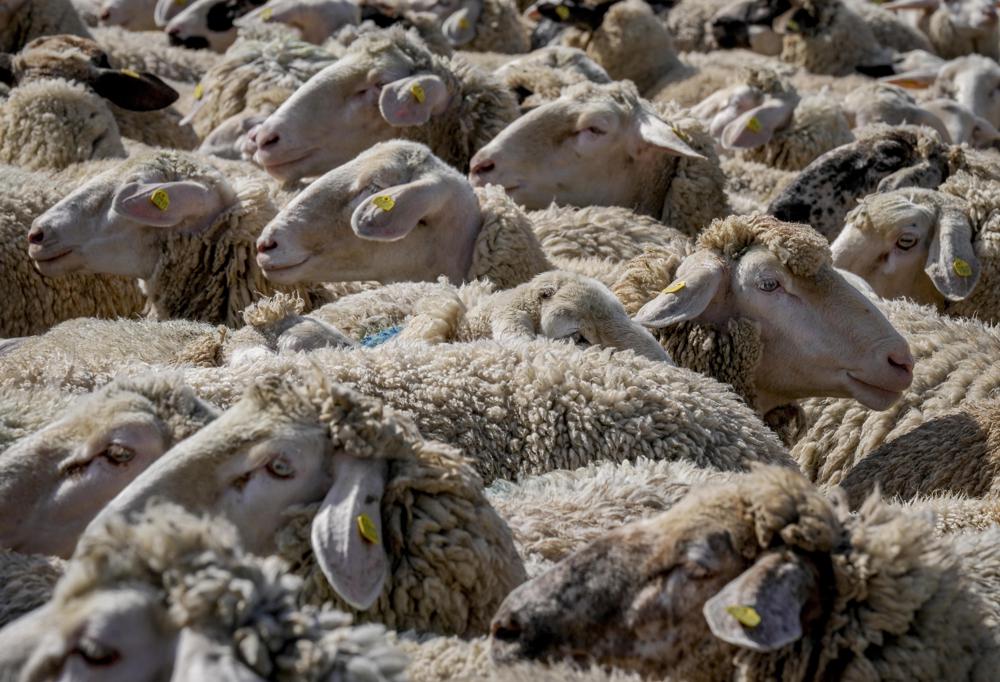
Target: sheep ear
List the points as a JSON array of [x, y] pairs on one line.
[[133, 90], [652, 131], [951, 261], [695, 285], [757, 126], [167, 10], [167, 204], [897, 5], [712, 105], [761, 609], [917, 79], [412, 101], [391, 214], [460, 28], [347, 530]]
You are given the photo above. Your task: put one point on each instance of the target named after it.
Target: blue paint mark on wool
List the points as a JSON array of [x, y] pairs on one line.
[[380, 337]]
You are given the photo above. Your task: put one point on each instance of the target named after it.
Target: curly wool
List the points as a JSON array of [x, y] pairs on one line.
[[500, 28], [542, 75], [37, 18], [981, 203], [26, 582], [950, 43], [24, 411], [454, 558], [506, 250], [955, 365], [33, 303], [255, 76], [150, 51], [51, 124], [204, 581], [751, 186]]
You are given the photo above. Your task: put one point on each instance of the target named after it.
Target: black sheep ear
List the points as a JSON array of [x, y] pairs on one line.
[[133, 90], [7, 69]]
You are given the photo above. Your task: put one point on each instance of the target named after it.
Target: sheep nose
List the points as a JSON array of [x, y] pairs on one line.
[[265, 138], [174, 32], [902, 361], [36, 235], [507, 628], [483, 167], [265, 244]]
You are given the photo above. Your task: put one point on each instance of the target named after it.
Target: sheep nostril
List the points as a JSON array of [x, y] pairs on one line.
[[265, 245], [902, 361], [36, 235], [173, 32], [483, 167], [507, 628]]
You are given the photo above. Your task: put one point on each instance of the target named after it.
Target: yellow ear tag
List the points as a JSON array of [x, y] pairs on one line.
[[130, 73], [199, 91], [962, 268], [754, 125], [366, 527], [746, 615], [418, 93], [265, 14], [463, 23], [675, 287], [386, 203], [562, 12], [160, 199], [792, 25]]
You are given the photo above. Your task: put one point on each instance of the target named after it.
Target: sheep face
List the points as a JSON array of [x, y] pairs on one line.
[[910, 243], [808, 347], [375, 503], [78, 463], [973, 81], [745, 117], [561, 305], [315, 20], [114, 635], [135, 15], [395, 213], [581, 135], [366, 97], [114, 223], [653, 595]]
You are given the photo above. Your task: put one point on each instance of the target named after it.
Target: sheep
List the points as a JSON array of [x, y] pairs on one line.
[[766, 120], [931, 246], [254, 76], [429, 554], [957, 28], [167, 595], [556, 305], [954, 365], [24, 411], [56, 480], [761, 577], [690, 24], [176, 223], [880, 102], [882, 158], [543, 74], [313, 20], [751, 186], [208, 24], [33, 303], [480, 25], [135, 15], [759, 306], [665, 164], [138, 101], [452, 107], [26, 583], [21, 21]]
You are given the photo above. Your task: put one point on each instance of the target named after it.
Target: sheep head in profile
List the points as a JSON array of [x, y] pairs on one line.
[[381, 522], [778, 277], [759, 578]]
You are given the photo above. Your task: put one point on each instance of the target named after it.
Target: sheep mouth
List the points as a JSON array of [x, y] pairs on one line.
[[281, 169], [51, 259], [280, 271], [872, 396]]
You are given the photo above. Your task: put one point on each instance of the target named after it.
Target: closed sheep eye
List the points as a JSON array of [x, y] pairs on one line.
[[593, 130]]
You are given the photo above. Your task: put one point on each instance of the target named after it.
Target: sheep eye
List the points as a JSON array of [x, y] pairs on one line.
[[96, 654], [279, 467], [580, 340], [906, 242], [118, 454], [546, 293], [768, 285], [593, 130]]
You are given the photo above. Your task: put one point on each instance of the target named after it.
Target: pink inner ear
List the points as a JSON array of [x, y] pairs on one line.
[[168, 204], [412, 101]]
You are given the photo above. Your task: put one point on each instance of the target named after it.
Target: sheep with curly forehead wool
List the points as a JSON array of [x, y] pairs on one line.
[[379, 521], [33, 303], [167, 595], [759, 306], [542, 75], [173, 221], [763, 578]]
